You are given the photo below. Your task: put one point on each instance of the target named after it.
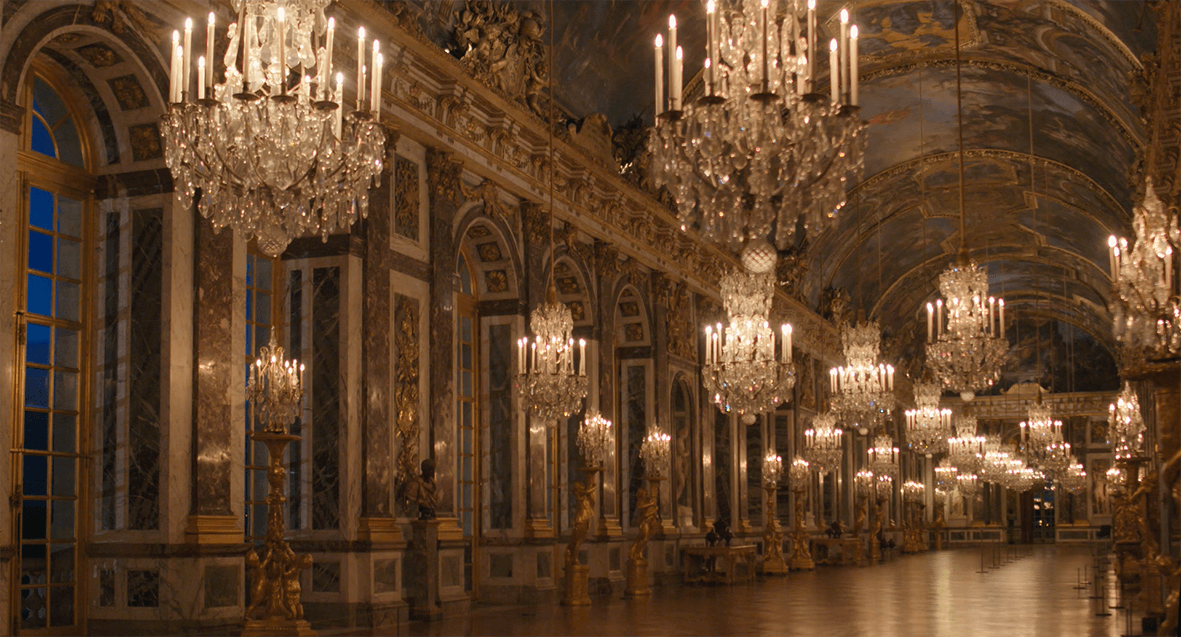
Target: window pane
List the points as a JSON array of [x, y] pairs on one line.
[[65, 437], [61, 563], [35, 475], [249, 305], [465, 356], [262, 337], [262, 274], [467, 383], [61, 606], [67, 301], [37, 344], [65, 391], [65, 351], [465, 329], [262, 308], [61, 520], [36, 387], [63, 480], [48, 103], [33, 520], [69, 217], [40, 252], [68, 144], [69, 259], [36, 430], [41, 140], [40, 209], [40, 292]]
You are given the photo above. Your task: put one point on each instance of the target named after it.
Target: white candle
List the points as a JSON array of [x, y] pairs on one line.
[[709, 345], [201, 73], [930, 321], [582, 356], [672, 49], [939, 317], [991, 313], [173, 68], [282, 36], [844, 50], [326, 72], [340, 101], [376, 77], [186, 62], [710, 8], [833, 72], [248, 51], [1169, 268], [659, 75], [360, 67], [890, 371], [766, 61], [676, 87], [832, 380], [209, 31], [1001, 303], [853, 65], [789, 347], [811, 42]]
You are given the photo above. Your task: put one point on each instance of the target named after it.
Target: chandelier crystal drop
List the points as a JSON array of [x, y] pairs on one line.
[[883, 456], [548, 383], [822, 444], [863, 482], [1147, 311], [863, 389], [966, 344], [745, 371], [759, 149], [1127, 424], [270, 148], [966, 452], [1043, 442], [927, 426]]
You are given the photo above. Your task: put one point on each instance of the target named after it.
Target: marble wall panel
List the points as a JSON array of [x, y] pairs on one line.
[[295, 328], [500, 426], [375, 351], [635, 403], [723, 456], [143, 370], [216, 359], [754, 472], [109, 388], [326, 396]]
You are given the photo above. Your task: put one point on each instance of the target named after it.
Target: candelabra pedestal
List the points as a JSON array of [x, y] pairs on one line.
[[648, 526], [773, 562], [875, 541], [911, 530], [937, 525], [801, 555], [577, 586], [275, 607]]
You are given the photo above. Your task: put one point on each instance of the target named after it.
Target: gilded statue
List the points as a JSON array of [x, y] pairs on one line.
[[423, 491], [646, 514], [584, 494]]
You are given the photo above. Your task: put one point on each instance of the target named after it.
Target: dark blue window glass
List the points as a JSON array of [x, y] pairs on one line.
[[40, 252], [35, 475], [37, 344], [40, 292], [42, 140], [40, 209], [36, 430], [36, 387]]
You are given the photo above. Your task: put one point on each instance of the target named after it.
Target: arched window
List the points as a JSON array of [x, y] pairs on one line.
[[467, 414], [54, 289]]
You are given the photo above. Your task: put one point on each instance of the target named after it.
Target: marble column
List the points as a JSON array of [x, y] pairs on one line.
[[211, 517], [660, 377], [607, 271], [535, 221], [377, 519], [443, 173]]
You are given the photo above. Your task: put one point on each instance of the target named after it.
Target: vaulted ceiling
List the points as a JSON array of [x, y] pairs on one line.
[[1052, 136]]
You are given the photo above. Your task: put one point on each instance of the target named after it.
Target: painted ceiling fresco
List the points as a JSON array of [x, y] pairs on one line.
[[1068, 69]]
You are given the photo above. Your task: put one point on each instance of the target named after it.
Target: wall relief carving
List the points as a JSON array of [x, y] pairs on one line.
[[442, 174], [502, 48], [406, 397], [406, 200]]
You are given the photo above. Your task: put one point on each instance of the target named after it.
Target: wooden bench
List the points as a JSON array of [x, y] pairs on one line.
[[717, 564]]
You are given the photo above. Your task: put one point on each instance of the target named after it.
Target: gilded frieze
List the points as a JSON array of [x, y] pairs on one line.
[[406, 201], [406, 390]]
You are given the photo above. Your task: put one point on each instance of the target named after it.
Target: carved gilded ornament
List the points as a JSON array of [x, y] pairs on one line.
[[535, 222], [442, 173], [682, 334], [406, 388], [502, 48], [406, 201], [606, 259], [487, 193]]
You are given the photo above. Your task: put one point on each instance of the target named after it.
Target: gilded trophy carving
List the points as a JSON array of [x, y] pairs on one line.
[[535, 222], [501, 46], [442, 174]]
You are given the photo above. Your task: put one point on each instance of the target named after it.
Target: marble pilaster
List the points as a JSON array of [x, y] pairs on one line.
[[606, 270], [377, 450], [211, 518], [661, 383], [443, 173], [536, 240]]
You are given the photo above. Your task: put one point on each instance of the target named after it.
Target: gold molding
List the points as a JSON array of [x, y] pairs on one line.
[[213, 529]]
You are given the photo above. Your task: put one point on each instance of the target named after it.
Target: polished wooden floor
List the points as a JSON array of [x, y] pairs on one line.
[[928, 594]]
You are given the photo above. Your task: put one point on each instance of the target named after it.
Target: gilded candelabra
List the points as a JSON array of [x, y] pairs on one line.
[[655, 453], [884, 483], [912, 525], [864, 488], [593, 437], [939, 521], [275, 389], [773, 562], [801, 554]]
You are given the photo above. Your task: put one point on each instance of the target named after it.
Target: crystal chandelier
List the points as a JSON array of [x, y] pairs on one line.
[[744, 370], [270, 147], [968, 484], [966, 453], [1073, 480], [772, 469], [862, 389], [548, 384], [863, 482], [760, 149], [912, 491], [883, 456], [927, 427], [274, 388], [1040, 431], [798, 474], [654, 451], [593, 437], [1147, 311], [822, 444], [966, 354], [994, 461], [946, 475], [964, 349], [1127, 425]]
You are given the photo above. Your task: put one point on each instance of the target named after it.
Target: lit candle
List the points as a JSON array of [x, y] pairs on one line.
[[890, 372], [360, 67], [173, 68], [833, 73], [789, 348], [676, 87], [201, 73], [710, 8], [582, 356], [340, 101], [709, 333], [853, 65], [930, 321], [991, 313], [1001, 303], [832, 380], [939, 317], [376, 79], [326, 72], [811, 42], [209, 30], [186, 62], [282, 36], [659, 75], [672, 49], [1169, 268], [844, 49]]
